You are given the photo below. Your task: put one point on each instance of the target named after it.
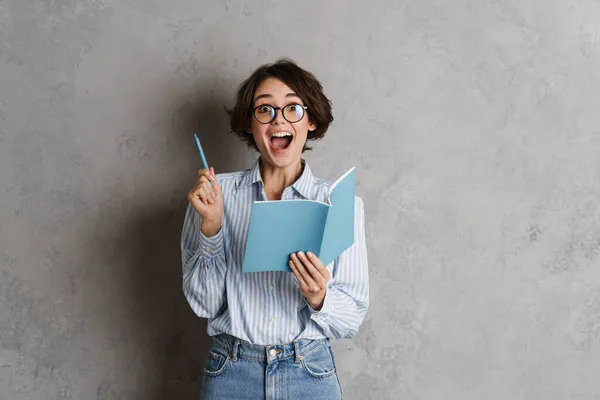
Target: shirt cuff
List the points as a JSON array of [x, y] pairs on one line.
[[326, 309], [211, 246]]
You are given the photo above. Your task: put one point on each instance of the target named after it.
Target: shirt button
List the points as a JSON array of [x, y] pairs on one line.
[[270, 287], [273, 319], [207, 248], [272, 352]]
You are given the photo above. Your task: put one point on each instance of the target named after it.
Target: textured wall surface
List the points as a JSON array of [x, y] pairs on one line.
[[475, 127]]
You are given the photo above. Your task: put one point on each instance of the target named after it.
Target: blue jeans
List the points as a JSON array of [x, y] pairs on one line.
[[304, 369]]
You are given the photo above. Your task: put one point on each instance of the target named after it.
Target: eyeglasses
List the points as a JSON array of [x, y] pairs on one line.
[[265, 113]]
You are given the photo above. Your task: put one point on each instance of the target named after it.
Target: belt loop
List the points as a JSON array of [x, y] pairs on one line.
[[234, 351], [297, 355]]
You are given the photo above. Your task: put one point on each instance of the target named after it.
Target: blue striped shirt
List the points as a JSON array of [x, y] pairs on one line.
[[267, 307]]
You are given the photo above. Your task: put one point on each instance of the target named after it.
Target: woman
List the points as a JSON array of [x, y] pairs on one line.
[[271, 330]]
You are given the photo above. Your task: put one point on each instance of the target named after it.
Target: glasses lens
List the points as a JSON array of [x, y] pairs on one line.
[[293, 112], [264, 114]]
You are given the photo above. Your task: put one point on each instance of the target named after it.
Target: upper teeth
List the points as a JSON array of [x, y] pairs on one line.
[[281, 134]]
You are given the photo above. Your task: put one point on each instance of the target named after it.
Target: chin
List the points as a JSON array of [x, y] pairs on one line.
[[281, 159]]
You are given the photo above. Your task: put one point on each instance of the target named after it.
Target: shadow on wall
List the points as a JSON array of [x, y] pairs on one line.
[[172, 340]]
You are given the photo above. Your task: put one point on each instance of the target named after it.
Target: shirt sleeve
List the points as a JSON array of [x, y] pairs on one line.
[[204, 266], [347, 297]]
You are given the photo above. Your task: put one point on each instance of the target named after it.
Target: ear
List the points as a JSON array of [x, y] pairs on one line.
[[311, 126]]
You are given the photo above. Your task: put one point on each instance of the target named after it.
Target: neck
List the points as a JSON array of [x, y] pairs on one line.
[[276, 179]]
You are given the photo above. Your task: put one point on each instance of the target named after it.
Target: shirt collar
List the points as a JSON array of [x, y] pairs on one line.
[[252, 175], [303, 185]]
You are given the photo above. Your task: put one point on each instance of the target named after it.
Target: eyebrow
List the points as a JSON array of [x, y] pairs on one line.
[[268, 96]]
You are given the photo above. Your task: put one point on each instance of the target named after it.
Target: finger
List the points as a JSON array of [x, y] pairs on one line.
[[202, 172], [298, 276], [306, 277], [206, 193], [312, 270], [299, 272], [318, 265], [206, 183], [201, 194], [204, 175], [208, 189], [215, 182], [200, 191], [209, 175], [211, 192], [194, 196]]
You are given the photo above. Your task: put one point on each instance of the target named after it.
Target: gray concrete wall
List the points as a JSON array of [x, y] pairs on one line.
[[475, 129]]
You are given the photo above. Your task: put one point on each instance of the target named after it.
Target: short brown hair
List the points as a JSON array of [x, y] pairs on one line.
[[303, 82]]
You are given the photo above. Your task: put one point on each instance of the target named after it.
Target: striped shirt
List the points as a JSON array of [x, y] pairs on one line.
[[267, 307]]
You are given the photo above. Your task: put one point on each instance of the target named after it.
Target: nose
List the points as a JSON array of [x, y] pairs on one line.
[[278, 116]]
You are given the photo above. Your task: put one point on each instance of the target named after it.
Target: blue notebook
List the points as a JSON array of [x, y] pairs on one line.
[[282, 227]]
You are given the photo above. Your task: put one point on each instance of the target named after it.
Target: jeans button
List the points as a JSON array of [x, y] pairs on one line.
[[272, 353]]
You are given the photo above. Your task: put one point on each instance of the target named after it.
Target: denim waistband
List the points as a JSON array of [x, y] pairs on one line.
[[267, 353]]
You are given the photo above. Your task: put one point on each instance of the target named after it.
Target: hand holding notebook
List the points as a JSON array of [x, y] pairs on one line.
[[279, 228]]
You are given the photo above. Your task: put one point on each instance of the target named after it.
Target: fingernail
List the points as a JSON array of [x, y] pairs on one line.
[[309, 254], [301, 253]]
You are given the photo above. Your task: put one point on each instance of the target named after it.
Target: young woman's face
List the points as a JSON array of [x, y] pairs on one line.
[[280, 142]]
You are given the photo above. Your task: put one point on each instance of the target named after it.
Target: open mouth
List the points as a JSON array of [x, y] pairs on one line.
[[281, 140]]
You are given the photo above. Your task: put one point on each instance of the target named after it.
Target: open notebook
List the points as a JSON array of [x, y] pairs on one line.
[[282, 227]]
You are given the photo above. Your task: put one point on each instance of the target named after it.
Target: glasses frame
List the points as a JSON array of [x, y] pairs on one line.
[[253, 110]]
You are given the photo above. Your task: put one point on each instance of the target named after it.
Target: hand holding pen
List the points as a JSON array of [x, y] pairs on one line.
[[206, 197]]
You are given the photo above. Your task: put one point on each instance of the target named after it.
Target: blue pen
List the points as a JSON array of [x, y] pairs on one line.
[[204, 163]]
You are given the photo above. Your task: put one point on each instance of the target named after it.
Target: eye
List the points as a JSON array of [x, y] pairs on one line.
[[264, 109]]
